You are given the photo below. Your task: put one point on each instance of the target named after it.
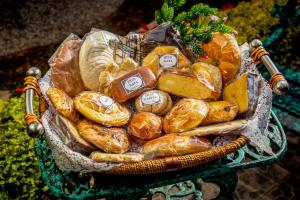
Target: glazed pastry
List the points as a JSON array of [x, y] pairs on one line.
[[231, 127], [145, 126], [243, 91], [220, 111], [101, 109], [185, 115], [186, 85], [155, 101], [63, 104], [110, 140], [165, 57], [113, 71], [94, 55], [64, 65], [224, 51], [133, 84], [175, 145], [68, 133], [209, 74], [119, 158]]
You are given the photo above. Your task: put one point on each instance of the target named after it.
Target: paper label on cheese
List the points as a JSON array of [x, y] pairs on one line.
[[106, 101], [150, 98], [133, 83], [168, 60]]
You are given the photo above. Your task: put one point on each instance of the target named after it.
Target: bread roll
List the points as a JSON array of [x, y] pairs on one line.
[[63, 104], [119, 158], [111, 140], [133, 84], [224, 51], [101, 109], [220, 111], [95, 53], [145, 126], [155, 101], [175, 145], [186, 85], [64, 64], [164, 57], [210, 75], [185, 115], [243, 91]]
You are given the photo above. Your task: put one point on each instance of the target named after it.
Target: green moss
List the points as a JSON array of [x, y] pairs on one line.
[[19, 175]]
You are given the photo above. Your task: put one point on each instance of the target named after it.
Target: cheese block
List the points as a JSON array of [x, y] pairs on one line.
[[164, 57], [186, 85], [220, 111], [132, 84], [175, 145], [243, 91]]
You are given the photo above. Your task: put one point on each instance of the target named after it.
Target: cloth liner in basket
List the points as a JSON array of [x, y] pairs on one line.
[[68, 160]]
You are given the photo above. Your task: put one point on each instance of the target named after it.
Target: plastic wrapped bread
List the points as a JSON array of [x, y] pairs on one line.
[[110, 140], [63, 104], [101, 109], [145, 126], [155, 101], [113, 71], [220, 111], [64, 63], [118, 158], [165, 57], [133, 84], [70, 136], [223, 51], [185, 115], [175, 145], [95, 53]]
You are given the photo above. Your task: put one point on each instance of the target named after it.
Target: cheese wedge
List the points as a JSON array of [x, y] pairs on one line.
[[243, 91]]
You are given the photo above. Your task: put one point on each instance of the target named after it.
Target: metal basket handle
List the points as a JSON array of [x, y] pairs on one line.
[[277, 81], [34, 124]]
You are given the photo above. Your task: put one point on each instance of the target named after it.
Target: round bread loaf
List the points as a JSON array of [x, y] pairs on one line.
[[155, 101], [101, 109], [145, 126], [95, 53], [185, 115], [223, 51]]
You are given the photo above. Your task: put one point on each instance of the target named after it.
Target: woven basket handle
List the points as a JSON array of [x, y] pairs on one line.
[[277, 81], [34, 124]]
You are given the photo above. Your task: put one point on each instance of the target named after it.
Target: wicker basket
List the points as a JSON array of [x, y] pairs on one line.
[[162, 164]]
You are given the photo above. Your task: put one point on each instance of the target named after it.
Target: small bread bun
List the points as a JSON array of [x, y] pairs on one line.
[[63, 104], [155, 101], [145, 126]]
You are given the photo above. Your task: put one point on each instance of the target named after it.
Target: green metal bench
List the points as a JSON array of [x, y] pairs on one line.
[[222, 172]]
